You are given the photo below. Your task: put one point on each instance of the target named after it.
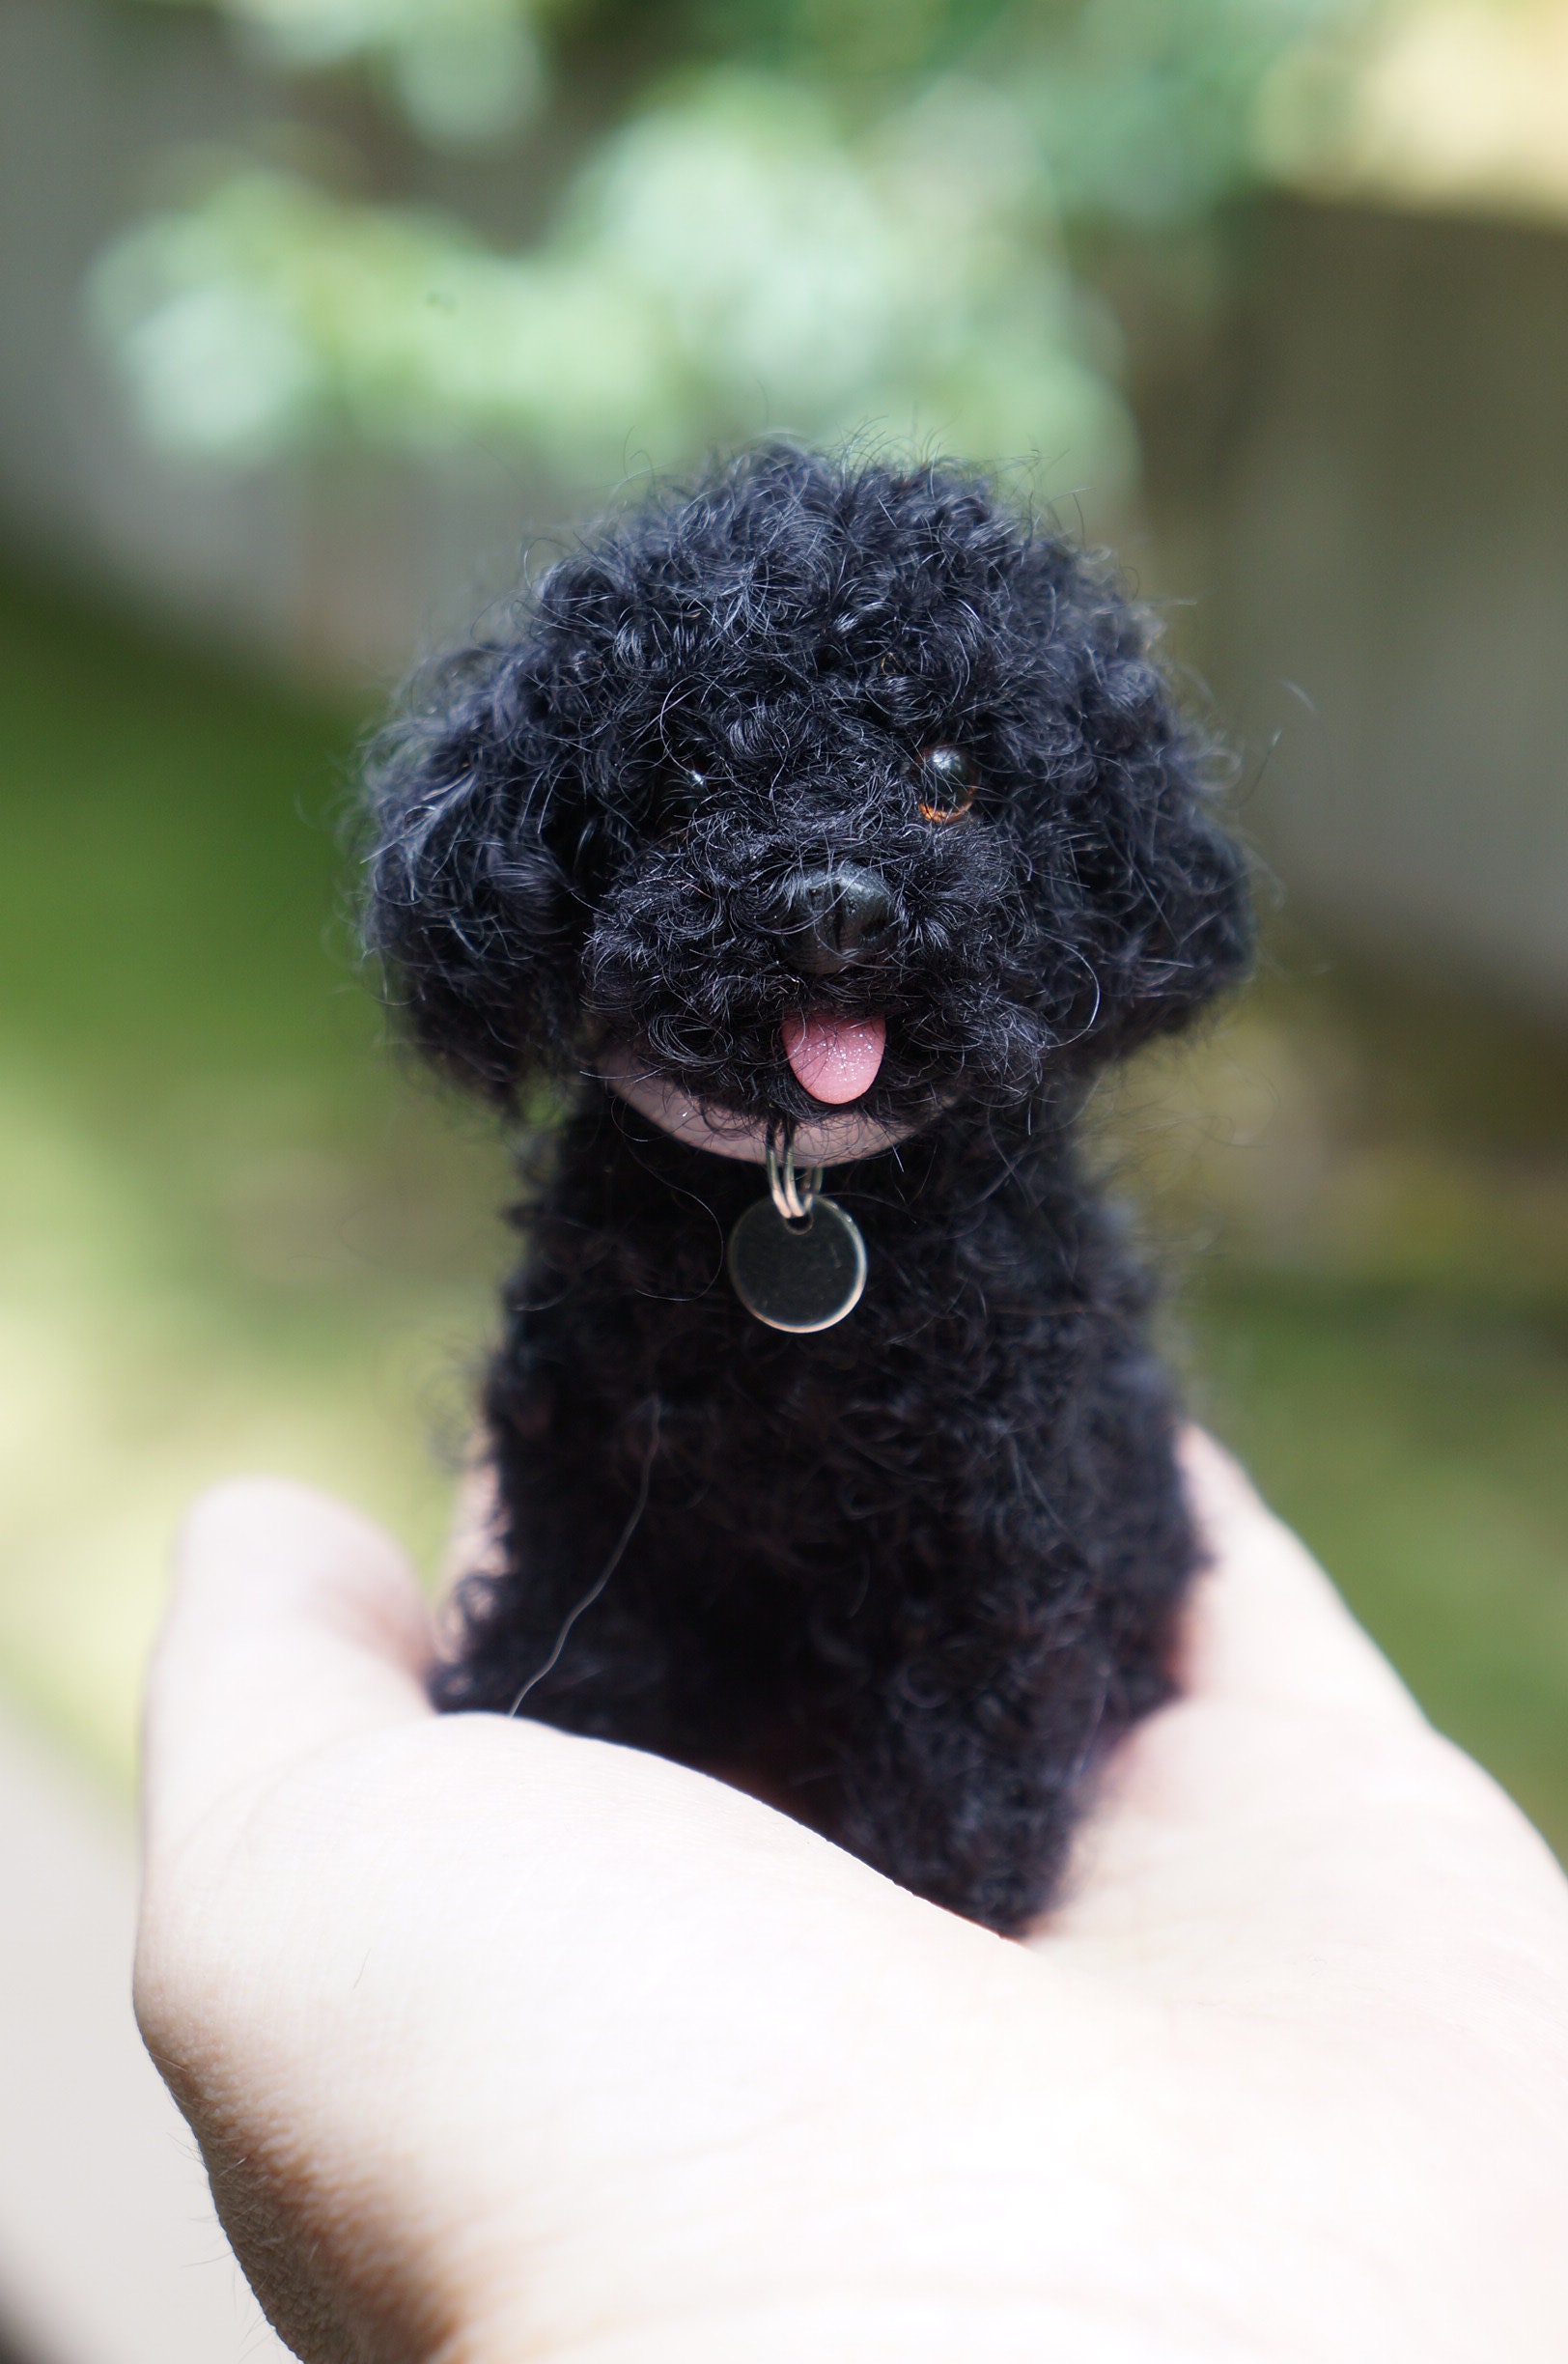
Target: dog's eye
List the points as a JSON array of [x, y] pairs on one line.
[[948, 781]]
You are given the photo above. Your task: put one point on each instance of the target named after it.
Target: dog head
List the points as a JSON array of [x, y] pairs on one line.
[[827, 793]]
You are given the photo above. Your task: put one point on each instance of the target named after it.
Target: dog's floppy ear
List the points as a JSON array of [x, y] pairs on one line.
[[470, 904], [1154, 891]]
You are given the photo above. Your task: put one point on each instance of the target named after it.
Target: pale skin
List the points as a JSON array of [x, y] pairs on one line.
[[504, 2045]]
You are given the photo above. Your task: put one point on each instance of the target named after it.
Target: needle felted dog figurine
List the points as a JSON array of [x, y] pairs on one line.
[[827, 817]]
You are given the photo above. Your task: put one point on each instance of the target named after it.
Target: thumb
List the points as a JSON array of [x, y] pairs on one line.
[[294, 1623]]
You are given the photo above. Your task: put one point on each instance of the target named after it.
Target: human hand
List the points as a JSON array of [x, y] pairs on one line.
[[501, 2044]]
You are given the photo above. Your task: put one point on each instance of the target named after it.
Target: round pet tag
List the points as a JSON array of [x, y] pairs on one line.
[[800, 1274]]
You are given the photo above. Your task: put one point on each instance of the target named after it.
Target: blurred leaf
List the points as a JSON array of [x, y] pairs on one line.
[[726, 262], [1144, 110], [848, 40], [458, 71]]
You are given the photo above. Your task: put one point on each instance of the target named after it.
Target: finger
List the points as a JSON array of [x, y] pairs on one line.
[[294, 1623], [1264, 1623]]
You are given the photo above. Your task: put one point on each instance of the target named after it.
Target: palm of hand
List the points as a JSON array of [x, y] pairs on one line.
[[501, 2043]]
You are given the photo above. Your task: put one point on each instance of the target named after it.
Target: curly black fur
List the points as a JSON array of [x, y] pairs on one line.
[[910, 1572]]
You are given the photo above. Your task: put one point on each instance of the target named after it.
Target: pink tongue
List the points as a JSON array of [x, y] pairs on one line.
[[835, 1058]]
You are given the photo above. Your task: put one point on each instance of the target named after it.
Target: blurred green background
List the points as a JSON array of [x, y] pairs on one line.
[[349, 302]]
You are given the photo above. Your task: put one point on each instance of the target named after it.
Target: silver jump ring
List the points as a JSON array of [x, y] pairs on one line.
[[793, 1194]]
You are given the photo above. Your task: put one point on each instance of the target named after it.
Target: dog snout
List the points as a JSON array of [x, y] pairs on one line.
[[831, 919]]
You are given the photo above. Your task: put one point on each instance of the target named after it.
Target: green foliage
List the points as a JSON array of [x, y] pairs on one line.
[[727, 260], [824, 215], [1144, 109], [457, 71]]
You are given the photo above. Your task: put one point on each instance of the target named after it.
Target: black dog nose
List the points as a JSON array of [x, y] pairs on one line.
[[830, 919]]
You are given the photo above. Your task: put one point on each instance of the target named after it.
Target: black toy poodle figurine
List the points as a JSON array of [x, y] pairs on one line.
[[830, 815]]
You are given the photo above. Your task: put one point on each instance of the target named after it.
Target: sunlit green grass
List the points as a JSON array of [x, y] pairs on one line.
[[1420, 1443], [232, 1232], [236, 1233]]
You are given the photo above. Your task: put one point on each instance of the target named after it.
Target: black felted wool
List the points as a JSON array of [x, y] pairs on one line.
[[909, 1574]]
